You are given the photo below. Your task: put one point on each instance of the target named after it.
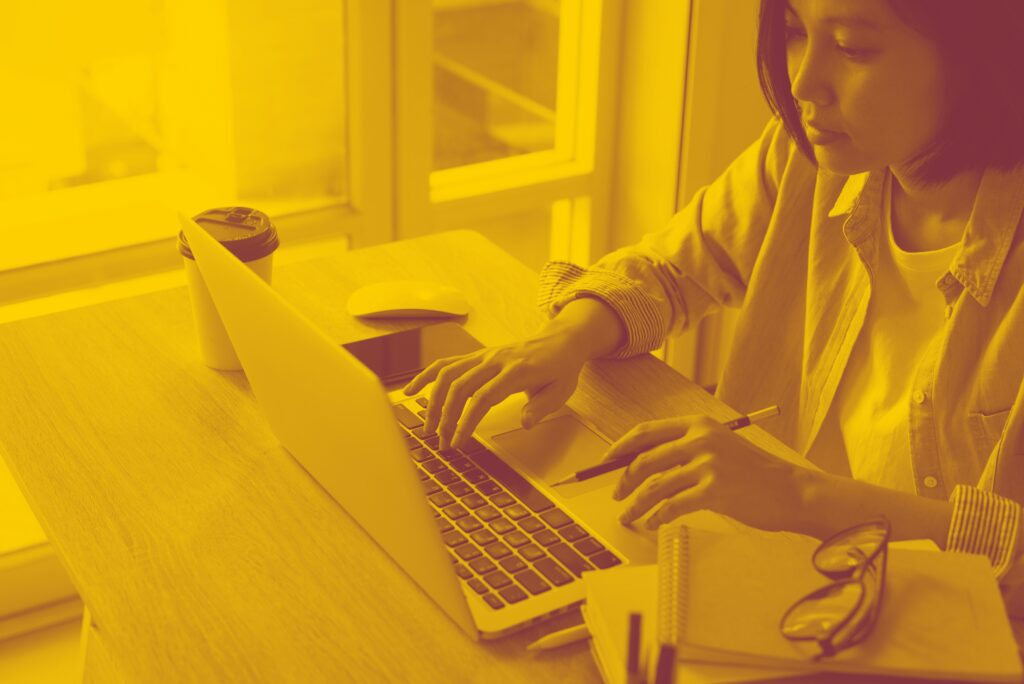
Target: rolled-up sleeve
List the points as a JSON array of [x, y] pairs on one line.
[[700, 262]]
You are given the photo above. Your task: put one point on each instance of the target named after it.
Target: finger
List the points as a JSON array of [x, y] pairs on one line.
[[547, 400], [496, 389], [655, 491], [687, 501], [656, 459], [460, 391], [648, 434], [428, 374], [439, 392]]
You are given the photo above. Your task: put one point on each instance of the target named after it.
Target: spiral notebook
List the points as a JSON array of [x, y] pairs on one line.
[[720, 598]]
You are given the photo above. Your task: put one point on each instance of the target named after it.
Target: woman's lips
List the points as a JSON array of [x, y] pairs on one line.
[[821, 136]]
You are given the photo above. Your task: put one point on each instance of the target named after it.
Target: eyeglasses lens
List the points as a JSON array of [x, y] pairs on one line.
[[842, 556], [818, 615]]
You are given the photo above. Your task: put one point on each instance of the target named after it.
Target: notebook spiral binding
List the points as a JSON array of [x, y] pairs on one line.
[[673, 553]]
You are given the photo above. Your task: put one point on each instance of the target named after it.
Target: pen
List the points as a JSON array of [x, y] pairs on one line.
[[623, 461], [633, 673], [562, 637]]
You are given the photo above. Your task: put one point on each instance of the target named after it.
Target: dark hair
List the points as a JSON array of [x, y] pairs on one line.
[[979, 43]]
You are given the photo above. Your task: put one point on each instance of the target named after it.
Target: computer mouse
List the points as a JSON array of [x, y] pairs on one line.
[[407, 299]]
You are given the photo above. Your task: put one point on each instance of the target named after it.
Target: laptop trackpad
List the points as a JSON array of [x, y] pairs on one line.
[[555, 448]]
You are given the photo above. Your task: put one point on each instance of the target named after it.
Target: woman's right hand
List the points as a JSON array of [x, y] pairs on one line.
[[546, 366]]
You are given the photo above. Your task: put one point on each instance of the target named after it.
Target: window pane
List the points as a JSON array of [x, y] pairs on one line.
[[495, 79], [119, 106]]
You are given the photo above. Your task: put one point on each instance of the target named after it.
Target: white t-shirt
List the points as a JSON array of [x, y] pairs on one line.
[[869, 417]]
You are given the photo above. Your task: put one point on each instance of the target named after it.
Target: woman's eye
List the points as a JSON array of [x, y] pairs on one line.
[[854, 53]]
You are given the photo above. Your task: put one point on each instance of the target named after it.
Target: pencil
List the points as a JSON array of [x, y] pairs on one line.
[[623, 461]]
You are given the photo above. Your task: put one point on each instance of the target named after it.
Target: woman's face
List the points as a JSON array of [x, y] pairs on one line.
[[868, 87]]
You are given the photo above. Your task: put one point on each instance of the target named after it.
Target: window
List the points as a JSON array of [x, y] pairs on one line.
[[127, 111], [344, 119]]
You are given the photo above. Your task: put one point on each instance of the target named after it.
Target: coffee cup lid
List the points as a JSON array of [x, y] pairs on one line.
[[247, 233]]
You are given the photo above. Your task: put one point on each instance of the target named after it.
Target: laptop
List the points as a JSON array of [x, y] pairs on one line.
[[479, 529]]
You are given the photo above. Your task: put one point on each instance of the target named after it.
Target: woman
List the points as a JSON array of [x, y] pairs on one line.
[[871, 237]]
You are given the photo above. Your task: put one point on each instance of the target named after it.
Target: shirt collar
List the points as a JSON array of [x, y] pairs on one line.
[[989, 233]]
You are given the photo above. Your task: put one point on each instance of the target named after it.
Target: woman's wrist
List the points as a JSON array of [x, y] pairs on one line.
[[830, 503], [592, 327]]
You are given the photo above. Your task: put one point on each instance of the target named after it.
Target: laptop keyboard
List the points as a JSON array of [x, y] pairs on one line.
[[507, 540]]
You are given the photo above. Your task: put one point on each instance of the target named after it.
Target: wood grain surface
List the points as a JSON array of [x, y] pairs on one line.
[[202, 549]]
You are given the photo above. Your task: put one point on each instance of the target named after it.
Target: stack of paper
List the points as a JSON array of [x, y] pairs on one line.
[[35, 591]]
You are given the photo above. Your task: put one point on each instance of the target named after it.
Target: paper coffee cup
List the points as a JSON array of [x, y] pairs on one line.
[[251, 236]]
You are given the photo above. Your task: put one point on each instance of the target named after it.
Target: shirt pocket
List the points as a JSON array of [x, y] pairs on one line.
[[986, 429]]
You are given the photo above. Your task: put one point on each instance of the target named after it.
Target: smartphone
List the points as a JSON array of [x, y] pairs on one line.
[[396, 358]]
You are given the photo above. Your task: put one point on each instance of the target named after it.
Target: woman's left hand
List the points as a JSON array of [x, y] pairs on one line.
[[692, 463]]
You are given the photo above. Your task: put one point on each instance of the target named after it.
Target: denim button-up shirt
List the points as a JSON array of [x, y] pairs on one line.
[[795, 247]]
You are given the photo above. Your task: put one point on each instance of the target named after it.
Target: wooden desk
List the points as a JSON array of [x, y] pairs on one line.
[[202, 550]]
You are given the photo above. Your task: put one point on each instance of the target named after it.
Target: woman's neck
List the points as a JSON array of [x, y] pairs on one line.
[[931, 217]]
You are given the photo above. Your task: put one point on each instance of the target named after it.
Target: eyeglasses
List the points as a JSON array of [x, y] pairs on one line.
[[843, 613]]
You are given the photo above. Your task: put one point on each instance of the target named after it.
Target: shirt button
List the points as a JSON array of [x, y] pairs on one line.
[[918, 397], [930, 482]]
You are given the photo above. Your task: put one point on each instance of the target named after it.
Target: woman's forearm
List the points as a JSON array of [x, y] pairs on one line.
[[830, 503], [594, 325]]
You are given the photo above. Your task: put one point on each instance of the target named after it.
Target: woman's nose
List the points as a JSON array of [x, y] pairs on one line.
[[809, 79]]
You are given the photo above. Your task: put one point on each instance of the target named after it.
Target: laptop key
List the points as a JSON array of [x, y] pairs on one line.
[[512, 594], [471, 445], [434, 466], [478, 586], [453, 538], [474, 501], [420, 454], [531, 552], [546, 538], [588, 546], [432, 441], [512, 564], [532, 581], [497, 579], [556, 518], [516, 539], [449, 454], [487, 513], [422, 401], [461, 464], [493, 601], [572, 532], [605, 559], [531, 524], [475, 475], [482, 566], [517, 512], [484, 537], [553, 572], [489, 487], [502, 526], [569, 558], [469, 524], [515, 482], [502, 499], [446, 477], [455, 511], [463, 572], [460, 489], [497, 550], [468, 552], [421, 433], [444, 525], [431, 487], [441, 499], [406, 417], [410, 441]]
